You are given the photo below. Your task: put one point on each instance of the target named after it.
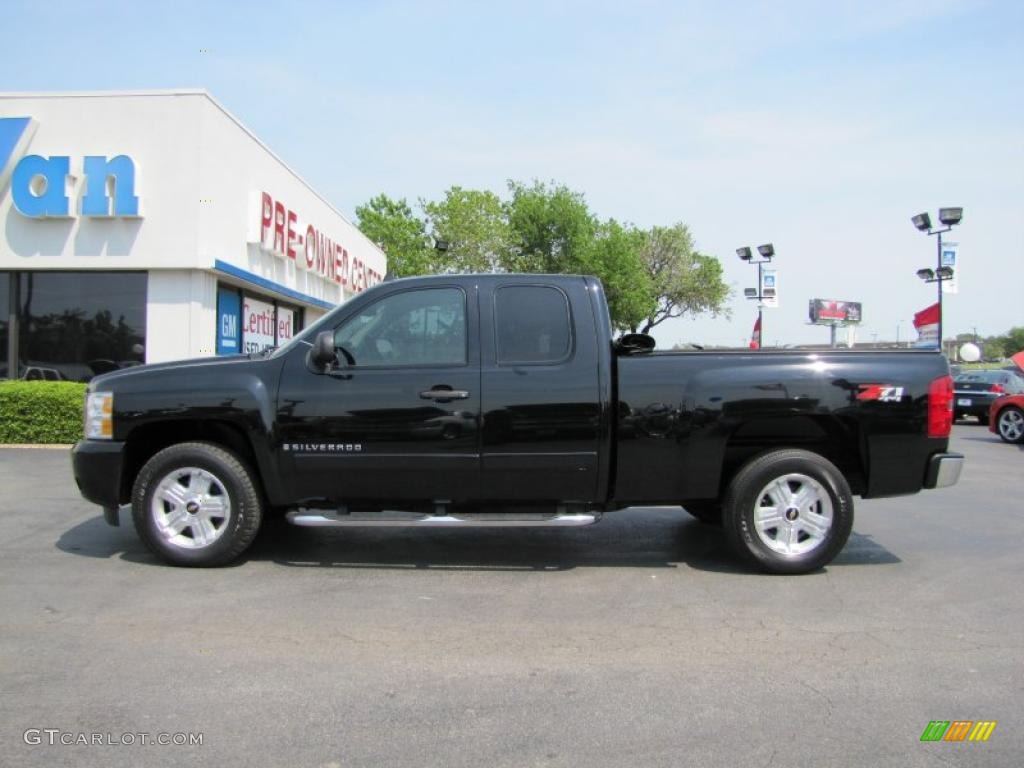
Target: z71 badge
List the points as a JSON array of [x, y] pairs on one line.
[[883, 393]]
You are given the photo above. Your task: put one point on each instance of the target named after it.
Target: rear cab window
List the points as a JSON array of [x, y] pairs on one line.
[[533, 325]]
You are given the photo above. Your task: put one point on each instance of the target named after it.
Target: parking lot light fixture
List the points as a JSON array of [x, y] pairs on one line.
[[950, 217], [766, 252]]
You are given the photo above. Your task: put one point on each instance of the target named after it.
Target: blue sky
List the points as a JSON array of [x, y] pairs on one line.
[[819, 126]]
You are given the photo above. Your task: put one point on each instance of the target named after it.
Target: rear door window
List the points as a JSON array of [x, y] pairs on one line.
[[532, 325]]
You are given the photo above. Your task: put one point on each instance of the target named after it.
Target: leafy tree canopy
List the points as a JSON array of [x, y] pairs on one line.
[[392, 225], [649, 275], [683, 280], [474, 225]]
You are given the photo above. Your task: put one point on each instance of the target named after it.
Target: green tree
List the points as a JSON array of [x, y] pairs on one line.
[[551, 228], [614, 256], [683, 280], [1013, 341], [992, 348], [392, 225], [474, 225]]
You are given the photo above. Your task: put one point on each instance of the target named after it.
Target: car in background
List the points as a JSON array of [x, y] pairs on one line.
[[1006, 418], [39, 373], [974, 392]]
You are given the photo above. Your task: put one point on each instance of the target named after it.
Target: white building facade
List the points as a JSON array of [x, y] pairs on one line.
[[151, 226]]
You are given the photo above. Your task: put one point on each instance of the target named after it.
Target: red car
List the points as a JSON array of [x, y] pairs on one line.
[[1006, 416]]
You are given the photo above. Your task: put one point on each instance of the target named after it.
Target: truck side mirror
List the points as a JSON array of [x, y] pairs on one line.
[[323, 355], [634, 344]]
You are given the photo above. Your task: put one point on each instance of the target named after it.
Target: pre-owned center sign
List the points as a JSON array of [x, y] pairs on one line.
[[278, 229]]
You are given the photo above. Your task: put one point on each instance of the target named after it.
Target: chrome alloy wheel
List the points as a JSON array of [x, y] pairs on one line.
[[1011, 425], [191, 508], [793, 514]]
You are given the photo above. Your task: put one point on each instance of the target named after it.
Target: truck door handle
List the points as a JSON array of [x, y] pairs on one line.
[[444, 394]]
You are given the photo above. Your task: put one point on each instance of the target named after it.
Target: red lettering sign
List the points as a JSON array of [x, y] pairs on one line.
[[279, 227]]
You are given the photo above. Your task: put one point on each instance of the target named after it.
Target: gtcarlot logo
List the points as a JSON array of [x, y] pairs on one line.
[[958, 730], [55, 736]]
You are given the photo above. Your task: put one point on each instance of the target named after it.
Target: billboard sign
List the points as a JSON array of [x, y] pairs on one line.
[[834, 312]]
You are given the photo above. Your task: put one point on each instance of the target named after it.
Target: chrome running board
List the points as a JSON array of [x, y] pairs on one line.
[[310, 518]]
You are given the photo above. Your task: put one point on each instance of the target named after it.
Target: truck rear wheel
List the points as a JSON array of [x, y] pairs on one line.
[[196, 504], [788, 511]]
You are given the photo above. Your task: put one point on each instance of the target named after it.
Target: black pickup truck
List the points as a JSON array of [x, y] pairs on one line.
[[503, 400]]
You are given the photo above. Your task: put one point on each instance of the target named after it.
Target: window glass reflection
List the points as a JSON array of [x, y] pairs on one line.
[[76, 325], [4, 316]]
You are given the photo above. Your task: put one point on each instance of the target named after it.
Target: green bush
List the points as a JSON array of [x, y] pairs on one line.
[[41, 411]]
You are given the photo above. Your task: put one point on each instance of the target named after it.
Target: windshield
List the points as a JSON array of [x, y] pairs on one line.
[[988, 377]]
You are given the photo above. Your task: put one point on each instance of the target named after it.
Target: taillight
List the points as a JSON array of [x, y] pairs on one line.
[[998, 388], [940, 407]]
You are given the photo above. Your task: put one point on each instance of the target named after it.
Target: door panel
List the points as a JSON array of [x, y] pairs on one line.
[[402, 422], [542, 418]]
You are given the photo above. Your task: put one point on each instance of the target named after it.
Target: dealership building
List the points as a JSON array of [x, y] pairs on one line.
[[151, 226]]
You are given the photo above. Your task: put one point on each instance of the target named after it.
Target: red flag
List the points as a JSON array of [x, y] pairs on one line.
[[927, 316], [755, 337], [927, 323]]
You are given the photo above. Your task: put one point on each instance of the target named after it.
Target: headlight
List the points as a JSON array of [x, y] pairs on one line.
[[99, 415]]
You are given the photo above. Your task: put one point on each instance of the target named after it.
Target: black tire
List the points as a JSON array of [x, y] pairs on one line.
[[235, 480], [708, 512], [1010, 412], [742, 498]]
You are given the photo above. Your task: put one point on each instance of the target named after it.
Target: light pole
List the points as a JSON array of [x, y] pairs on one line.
[[949, 217], [767, 252]]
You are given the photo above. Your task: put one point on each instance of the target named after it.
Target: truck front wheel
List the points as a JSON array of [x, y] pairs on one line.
[[788, 511], [196, 504]]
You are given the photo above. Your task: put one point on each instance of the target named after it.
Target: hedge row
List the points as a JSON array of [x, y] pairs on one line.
[[41, 411]]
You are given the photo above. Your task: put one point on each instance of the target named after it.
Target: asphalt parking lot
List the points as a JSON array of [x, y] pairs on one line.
[[640, 641]]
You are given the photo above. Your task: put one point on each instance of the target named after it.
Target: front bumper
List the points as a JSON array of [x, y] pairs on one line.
[[943, 470], [97, 465]]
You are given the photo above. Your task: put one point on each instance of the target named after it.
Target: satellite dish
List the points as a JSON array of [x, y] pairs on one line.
[[970, 353]]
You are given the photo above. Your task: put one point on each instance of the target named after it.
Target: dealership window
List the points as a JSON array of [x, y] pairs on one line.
[[76, 325], [250, 323], [5, 314]]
